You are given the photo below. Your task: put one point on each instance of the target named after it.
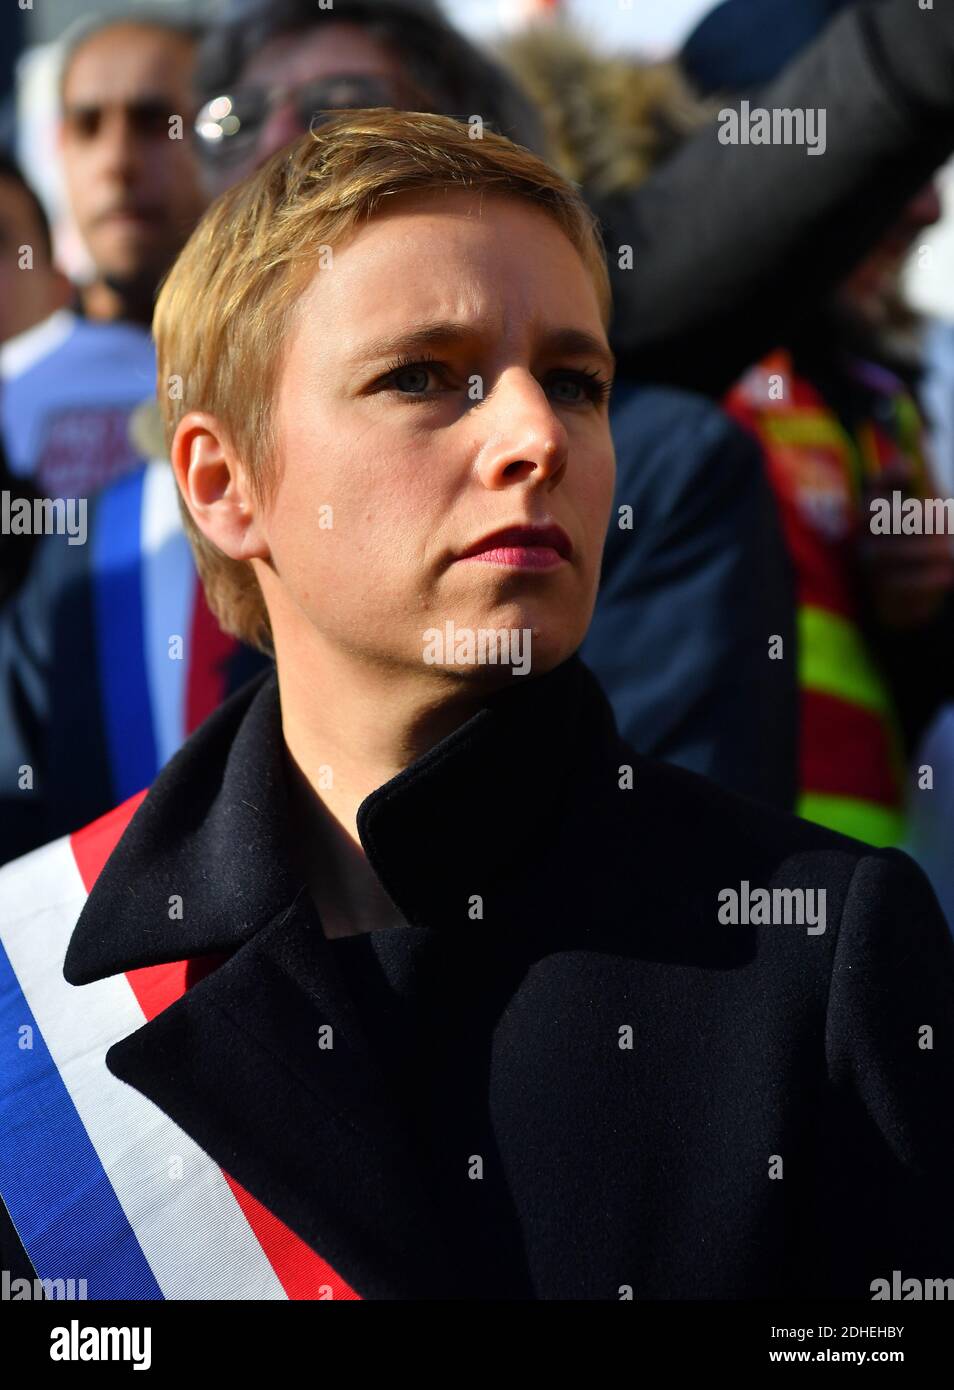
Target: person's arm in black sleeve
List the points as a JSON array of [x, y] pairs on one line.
[[691, 595], [733, 243], [886, 1122]]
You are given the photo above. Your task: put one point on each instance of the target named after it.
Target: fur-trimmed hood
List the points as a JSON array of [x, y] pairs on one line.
[[609, 120]]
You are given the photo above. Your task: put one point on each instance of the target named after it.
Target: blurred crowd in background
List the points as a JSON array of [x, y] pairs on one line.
[[784, 328]]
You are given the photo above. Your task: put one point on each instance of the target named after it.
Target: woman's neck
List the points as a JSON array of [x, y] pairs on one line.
[[343, 886], [347, 732]]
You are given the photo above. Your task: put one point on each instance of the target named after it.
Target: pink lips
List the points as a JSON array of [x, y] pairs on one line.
[[523, 547]]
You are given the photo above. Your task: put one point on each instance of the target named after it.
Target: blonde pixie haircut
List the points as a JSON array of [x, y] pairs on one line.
[[225, 308]]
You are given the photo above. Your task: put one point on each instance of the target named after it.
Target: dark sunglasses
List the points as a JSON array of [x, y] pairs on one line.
[[228, 126]]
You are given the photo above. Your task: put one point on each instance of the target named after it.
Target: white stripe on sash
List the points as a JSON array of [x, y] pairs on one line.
[[191, 1229], [168, 594]]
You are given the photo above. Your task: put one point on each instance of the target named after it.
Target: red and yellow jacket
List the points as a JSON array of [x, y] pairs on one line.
[[851, 766]]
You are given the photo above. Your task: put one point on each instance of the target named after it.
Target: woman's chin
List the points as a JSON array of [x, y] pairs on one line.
[[494, 656]]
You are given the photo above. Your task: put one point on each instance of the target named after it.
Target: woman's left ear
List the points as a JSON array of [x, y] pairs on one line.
[[215, 487]]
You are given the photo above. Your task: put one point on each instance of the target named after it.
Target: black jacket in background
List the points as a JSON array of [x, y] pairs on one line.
[[15, 551], [734, 244], [605, 1167], [691, 596]]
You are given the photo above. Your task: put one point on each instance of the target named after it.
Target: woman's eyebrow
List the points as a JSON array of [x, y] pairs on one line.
[[438, 333], [570, 342]]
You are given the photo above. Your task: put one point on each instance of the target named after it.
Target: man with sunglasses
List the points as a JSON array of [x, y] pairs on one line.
[[271, 69]]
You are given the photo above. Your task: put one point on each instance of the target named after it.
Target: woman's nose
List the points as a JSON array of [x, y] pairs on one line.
[[527, 441]]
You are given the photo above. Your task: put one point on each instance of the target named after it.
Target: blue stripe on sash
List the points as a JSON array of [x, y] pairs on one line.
[[120, 637], [55, 1188]]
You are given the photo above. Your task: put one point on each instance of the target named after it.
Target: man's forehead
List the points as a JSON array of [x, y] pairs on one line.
[[326, 50], [128, 64]]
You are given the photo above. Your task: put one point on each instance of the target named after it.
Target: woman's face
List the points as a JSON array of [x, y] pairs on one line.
[[444, 380]]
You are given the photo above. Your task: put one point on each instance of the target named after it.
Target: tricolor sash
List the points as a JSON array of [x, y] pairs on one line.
[[160, 653], [100, 1184]]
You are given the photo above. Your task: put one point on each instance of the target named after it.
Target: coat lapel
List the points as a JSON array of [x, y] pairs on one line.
[[242, 1063]]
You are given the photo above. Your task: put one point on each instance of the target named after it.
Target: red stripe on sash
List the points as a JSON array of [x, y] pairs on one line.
[[303, 1274], [93, 845], [209, 650], [158, 986]]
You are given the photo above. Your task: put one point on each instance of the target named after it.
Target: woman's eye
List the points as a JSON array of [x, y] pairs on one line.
[[577, 388], [424, 378], [413, 380]]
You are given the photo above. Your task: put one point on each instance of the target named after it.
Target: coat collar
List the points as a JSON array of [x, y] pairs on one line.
[[212, 829], [314, 1134]]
